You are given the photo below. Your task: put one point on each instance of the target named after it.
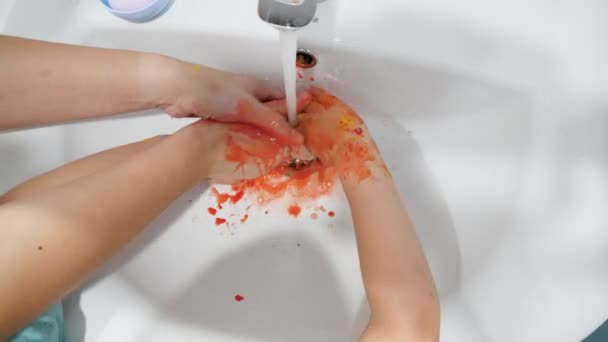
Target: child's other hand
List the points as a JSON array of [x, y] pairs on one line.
[[338, 136], [196, 90]]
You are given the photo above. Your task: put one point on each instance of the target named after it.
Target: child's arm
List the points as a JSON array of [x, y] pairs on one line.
[[77, 169], [397, 280], [47, 82], [55, 231]]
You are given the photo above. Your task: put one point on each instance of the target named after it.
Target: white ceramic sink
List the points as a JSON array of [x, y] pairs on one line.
[[491, 115]]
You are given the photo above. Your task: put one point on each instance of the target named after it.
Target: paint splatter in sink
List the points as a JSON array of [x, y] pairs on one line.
[[341, 140], [294, 210], [303, 186]]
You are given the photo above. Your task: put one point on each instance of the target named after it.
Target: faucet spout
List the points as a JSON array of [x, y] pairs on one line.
[[287, 14]]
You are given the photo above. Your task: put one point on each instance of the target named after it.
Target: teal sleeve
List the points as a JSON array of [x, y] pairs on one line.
[[46, 328]]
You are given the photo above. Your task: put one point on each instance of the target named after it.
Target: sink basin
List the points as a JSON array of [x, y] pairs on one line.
[[490, 115]]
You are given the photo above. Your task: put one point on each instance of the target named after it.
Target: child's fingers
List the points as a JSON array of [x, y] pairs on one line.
[[265, 92], [280, 106], [301, 152], [323, 97], [252, 112], [260, 89], [314, 107]]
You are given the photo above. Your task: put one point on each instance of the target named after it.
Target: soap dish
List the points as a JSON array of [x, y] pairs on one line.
[[149, 10]]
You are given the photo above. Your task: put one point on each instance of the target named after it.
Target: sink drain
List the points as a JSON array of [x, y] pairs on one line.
[[305, 59]]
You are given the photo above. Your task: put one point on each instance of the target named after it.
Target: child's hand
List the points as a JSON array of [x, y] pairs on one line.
[[222, 96], [338, 136], [232, 152]]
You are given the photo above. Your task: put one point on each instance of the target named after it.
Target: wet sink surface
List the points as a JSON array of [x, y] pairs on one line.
[[502, 180]]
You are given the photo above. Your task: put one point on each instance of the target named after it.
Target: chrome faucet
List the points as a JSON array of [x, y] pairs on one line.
[[287, 14]]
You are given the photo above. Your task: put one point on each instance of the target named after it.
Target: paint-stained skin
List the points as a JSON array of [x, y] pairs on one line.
[[336, 134], [332, 131]]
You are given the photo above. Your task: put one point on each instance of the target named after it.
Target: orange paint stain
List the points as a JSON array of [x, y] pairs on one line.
[[223, 198], [237, 197], [331, 137], [347, 122], [219, 197], [294, 210], [246, 145], [308, 183], [338, 140]]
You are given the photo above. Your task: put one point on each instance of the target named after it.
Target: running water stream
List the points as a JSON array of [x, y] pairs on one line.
[[289, 43]]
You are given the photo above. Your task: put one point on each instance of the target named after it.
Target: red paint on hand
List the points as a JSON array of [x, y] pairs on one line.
[[247, 145], [331, 214], [212, 211], [294, 210], [324, 124], [239, 298], [305, 184]]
